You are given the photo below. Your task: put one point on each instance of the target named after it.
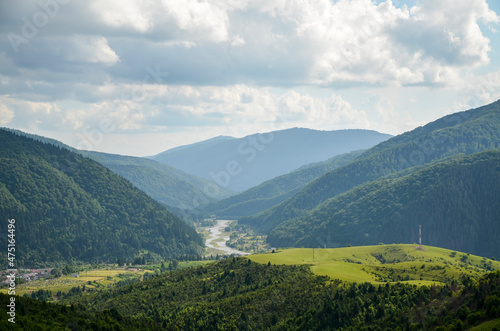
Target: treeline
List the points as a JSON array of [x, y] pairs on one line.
[[239, 294], [70, 208]]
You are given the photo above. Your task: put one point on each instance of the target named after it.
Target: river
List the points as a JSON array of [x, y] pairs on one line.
[[216, 233]]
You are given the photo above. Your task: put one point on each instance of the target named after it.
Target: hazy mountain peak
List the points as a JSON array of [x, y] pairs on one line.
[[242, 163]]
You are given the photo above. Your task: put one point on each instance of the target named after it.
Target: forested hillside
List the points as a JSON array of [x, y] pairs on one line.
[[167, 185], [32, 314], [467, 132], [240, 294], [456, 202], [276, 190], [68, 207], [179, 191]]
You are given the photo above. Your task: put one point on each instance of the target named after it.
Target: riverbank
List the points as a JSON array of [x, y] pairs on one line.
[[218, 237]]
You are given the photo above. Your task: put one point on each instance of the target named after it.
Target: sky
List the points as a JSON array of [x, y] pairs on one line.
[[137, 77]]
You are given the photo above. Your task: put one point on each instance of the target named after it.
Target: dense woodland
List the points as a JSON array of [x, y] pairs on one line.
[[173, 188], [167, 185], [462, 133], [455, 201], [68, 207], [237, 294]]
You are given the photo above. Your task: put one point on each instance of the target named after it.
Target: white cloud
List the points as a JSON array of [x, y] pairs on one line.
[[6, 114], [239, 66], [91, 49], [199, 18], [125, 13], [270, 43], [476, 91]]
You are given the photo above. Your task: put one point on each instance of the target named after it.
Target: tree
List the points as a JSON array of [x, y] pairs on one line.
[[175, 264], [56, 272]]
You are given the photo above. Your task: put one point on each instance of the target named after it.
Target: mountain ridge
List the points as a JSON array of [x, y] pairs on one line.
[[70, 208], [242, 163], [180, 191], [276, 190], [455, 202]]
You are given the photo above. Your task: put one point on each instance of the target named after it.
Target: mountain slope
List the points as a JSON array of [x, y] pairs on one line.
[[167, 185], [68, 207], [456, 202], [276, 190], [240, 164], [466, 132], [171, 187]]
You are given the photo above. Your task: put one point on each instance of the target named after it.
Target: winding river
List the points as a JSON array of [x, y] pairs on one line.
[[217, 232]]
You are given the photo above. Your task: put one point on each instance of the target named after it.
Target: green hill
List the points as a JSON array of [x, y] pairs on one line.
[[455, 201], [276, 190], [239, 294], [68, 207], [461, 133], [179, 191], [167, 185], [384, 263]]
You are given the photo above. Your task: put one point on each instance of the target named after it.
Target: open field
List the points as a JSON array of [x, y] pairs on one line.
[[384, 263], [487, 326], [97, 278]]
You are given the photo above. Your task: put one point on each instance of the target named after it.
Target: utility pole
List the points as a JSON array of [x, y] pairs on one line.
[[313, 254], [420, 236]]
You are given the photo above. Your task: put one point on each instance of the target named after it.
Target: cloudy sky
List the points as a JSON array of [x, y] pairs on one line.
[[137, 77]]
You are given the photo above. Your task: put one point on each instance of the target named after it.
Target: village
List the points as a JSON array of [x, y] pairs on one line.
[[28, 275]]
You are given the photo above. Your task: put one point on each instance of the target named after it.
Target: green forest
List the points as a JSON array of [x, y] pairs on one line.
[[238, 294], [455, 201], [70, 208], [167, 185]]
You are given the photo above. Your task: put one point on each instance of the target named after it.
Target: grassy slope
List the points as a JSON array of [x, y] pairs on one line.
[[383, 263], [487, 326]]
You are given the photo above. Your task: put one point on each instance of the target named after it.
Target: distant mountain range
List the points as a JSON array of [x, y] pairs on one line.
[[242, 163], [70, 208], [276, 190], [311, 211]]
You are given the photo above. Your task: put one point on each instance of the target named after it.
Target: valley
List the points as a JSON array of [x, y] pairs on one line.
[[224, 165], [302, 249]]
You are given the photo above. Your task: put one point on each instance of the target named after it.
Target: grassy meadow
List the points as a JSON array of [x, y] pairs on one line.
[[384, 263]]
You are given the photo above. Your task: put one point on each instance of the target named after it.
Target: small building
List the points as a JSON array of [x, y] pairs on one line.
[[75, 275]]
